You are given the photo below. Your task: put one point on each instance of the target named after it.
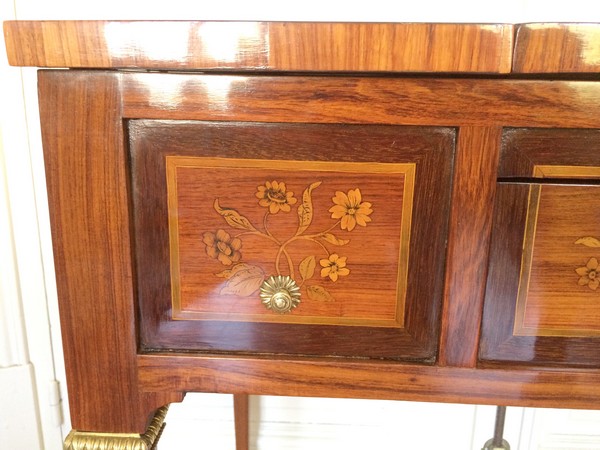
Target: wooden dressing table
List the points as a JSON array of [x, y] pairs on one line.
[[385, 211]]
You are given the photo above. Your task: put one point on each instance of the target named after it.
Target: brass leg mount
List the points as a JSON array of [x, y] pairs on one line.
[[82, 440]]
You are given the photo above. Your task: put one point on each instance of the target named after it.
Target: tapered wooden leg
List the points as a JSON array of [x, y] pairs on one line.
[[81, 440], [240, 414]]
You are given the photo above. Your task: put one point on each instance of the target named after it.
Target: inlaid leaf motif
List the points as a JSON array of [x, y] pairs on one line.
[[228, 273], [588, 241], [233, 218], [243, 281], [334, 240], [319, 294], [305, 210], [307, 267]]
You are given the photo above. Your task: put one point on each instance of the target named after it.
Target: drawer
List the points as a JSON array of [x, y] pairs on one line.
[[300, 239], [542, 302]]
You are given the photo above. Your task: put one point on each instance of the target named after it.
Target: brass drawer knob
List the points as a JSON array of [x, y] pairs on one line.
[[280, 294]]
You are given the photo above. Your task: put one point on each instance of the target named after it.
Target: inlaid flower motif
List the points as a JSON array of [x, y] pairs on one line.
[[350, 209], [280, 292], [590, 274], [273, 195], [334, 267], [221, 246]]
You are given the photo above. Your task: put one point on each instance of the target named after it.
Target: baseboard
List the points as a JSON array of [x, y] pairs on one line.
[[18, 410]]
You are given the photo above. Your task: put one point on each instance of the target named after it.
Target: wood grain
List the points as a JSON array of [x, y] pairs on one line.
[[399, 101], [241, 412], [498, 340], [557, 48], [267, 244], [470, 227], [375, 380], [430, 148], [525, 149], [390, 47], [374, 47], [554, 299], [87, 187], [528, 153], [107, 135]]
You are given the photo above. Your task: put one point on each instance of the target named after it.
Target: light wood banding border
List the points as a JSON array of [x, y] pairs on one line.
[[551, 171], [535, 192], [407, 169]]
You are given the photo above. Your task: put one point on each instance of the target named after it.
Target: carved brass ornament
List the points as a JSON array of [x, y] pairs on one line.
[[281, 293], [81, 440], [589, 275]]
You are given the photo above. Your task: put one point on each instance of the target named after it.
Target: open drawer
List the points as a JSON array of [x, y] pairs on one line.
[[542, 302]]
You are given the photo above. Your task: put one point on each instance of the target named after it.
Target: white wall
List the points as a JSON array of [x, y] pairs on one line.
[[317, 10], [27, 371], [17, 425], [29, 328]]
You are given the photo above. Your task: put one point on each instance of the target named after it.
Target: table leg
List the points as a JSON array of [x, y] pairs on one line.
[[241, 413]]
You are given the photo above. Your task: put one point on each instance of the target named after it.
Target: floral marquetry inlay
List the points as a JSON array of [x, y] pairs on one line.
[[560, 268], [244, 279], [292, 238], [590, 273]]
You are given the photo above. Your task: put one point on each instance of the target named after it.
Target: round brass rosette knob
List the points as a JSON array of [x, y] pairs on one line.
[[280, 294]]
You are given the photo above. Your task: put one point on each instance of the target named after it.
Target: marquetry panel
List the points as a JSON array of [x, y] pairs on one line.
[[338, 230], [352, 214], [558, 284], [543, 299]]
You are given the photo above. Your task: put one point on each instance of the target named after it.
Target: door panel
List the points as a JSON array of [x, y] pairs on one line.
[[543, 296], [290, 238]]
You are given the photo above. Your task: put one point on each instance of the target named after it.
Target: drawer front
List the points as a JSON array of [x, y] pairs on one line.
[[294, 239], [543, 296]]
